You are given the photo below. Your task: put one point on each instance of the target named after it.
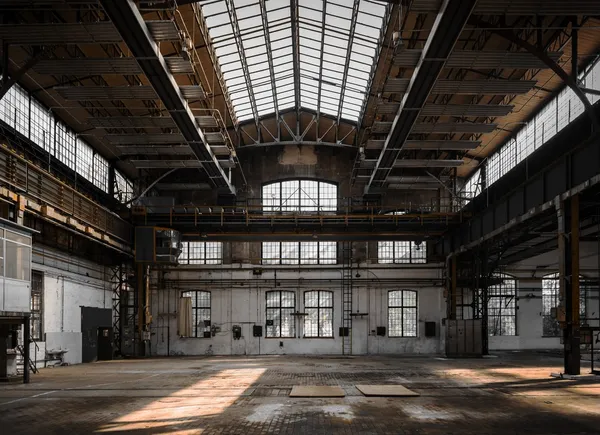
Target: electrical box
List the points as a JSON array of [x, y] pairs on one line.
[[344, 331], [257, 330], [381, 331], [429, 329], [237, 332]]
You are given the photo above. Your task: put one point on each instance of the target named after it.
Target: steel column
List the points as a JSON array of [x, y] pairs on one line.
[[570, 285], [26, 342]]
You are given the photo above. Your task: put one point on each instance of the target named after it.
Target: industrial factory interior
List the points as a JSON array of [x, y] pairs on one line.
[[300, 217]]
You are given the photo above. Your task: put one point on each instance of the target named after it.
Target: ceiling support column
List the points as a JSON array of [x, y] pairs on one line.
[[568, 309]]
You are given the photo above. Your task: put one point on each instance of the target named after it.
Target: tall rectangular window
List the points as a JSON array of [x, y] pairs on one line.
[[201, 253], [402, 313], [318, 306], [502, 307], [299, 253], [402, 252], [550, 286], [21, 110], [200, 312], [100, 175], [84, 160], [123, 188], [280, 314], [37, 297], [42, 126], [65, 145]]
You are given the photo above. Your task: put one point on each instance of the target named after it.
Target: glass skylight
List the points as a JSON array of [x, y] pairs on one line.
[[338, 48]]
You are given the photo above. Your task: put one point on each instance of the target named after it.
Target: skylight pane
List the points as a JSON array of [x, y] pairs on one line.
[[335, 57]]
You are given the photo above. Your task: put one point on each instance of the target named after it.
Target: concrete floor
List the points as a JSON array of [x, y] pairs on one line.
[[511, 393]]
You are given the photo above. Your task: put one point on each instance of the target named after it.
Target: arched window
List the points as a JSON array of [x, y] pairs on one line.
[[280, 314], [318, 306], [550, 294], [299, 196], [502, 306], [402, 313], [200, 312]]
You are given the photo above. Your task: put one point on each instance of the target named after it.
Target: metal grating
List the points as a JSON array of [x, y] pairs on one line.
[[179, 65], [59, 34], [206, 121], [413, 186], [177, 150], [373, 144], [380, 127], [519, 7], [441, 145], [454, 127], [387, 108], [479, 59], [497, 59], [420, 163], [404, 179], [478, 110], [483, 87], [214, 138], [183, 186], [132, 122], [165, 164], [88, 66], [220, 150], [192, 92], [163, 30], [142, 139], [84, 93], [537, 7], [395, 86]]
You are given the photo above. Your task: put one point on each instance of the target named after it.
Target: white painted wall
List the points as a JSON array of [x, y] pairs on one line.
[[69, 284], [238, 298]]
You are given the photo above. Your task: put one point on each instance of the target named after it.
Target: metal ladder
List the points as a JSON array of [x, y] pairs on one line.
[[347, 297]]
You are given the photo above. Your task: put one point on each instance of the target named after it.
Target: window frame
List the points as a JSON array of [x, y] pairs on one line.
[[204, 248], [318, 309], [395, 247], [299, 260], [507, 301], [281, 208], [281, 309], [402, 309], [196, 309], [37, 314]]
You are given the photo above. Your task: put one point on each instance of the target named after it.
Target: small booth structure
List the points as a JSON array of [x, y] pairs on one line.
[[15, 296]]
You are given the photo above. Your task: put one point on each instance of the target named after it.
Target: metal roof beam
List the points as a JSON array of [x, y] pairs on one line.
[[128, 20], [422, 163], [446, 145], [446, 29], [137, 150]]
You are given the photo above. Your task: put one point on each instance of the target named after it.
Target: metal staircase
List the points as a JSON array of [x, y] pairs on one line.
[[346, 330], [21, 359]]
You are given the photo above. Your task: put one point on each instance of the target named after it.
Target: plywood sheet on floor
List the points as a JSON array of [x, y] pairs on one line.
[[316, 391], [386, 390]]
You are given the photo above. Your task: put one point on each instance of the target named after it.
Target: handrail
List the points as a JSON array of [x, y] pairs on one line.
[[37, 183]]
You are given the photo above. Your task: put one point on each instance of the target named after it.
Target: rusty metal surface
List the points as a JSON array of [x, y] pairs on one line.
[[20, 175]]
